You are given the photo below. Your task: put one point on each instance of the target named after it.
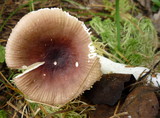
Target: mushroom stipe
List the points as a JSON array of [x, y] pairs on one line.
[[56, 50]]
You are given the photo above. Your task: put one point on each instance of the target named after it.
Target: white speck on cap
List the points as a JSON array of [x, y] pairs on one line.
[[55, 63], [76, 64]]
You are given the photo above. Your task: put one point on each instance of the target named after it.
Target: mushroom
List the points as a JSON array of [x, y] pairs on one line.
[[57, 49]]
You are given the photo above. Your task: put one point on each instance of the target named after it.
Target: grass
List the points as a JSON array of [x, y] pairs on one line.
[[137, 39], [127, 39], [117, 20], [2, 54], [15, 101], [75, 109], [156, 5], [29, 4], [10, 16]]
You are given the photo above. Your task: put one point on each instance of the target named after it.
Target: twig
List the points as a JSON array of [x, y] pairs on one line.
[[6, 79], [1, 107], [9, 85], [15, 114], [37, 111], [15, 108], [119, 114], [42, 109], [1, 40], [23, 110], [116, 108], [145, 75], [156, 64]]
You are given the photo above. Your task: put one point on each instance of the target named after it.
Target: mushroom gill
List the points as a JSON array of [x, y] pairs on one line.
[[62, 44]]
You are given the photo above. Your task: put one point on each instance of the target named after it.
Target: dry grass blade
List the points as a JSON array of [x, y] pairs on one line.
[[1, 40], [6, 79], [9, 85], [16, 109], [119, 115]]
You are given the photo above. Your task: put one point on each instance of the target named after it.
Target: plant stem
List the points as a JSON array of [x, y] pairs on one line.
[[31, 5], [118, 24]]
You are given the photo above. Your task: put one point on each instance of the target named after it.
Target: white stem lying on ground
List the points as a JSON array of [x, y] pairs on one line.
[[108, 66]]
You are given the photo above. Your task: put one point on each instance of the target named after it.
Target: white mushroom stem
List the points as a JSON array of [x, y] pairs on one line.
[[108, 66]]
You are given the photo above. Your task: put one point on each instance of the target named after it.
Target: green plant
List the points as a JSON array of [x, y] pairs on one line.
[[137, 39], [3, 114], [126, 39], [2, 54], [156, 5], [117, 20]]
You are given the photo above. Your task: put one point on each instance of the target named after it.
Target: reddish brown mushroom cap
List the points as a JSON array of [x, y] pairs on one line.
[[62, 44]]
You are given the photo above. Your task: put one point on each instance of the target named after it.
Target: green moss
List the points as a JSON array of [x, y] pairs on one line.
[[137, 39]]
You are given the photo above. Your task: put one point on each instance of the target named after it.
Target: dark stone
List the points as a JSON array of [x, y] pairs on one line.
[[109, 89]]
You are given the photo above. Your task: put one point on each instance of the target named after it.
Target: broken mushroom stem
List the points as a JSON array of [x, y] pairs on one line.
[[108, 66]]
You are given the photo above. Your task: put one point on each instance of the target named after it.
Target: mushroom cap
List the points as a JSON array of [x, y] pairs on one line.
[[60, 44]]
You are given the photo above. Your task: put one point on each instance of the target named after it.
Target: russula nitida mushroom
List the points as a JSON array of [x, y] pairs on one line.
[[56, 48]]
